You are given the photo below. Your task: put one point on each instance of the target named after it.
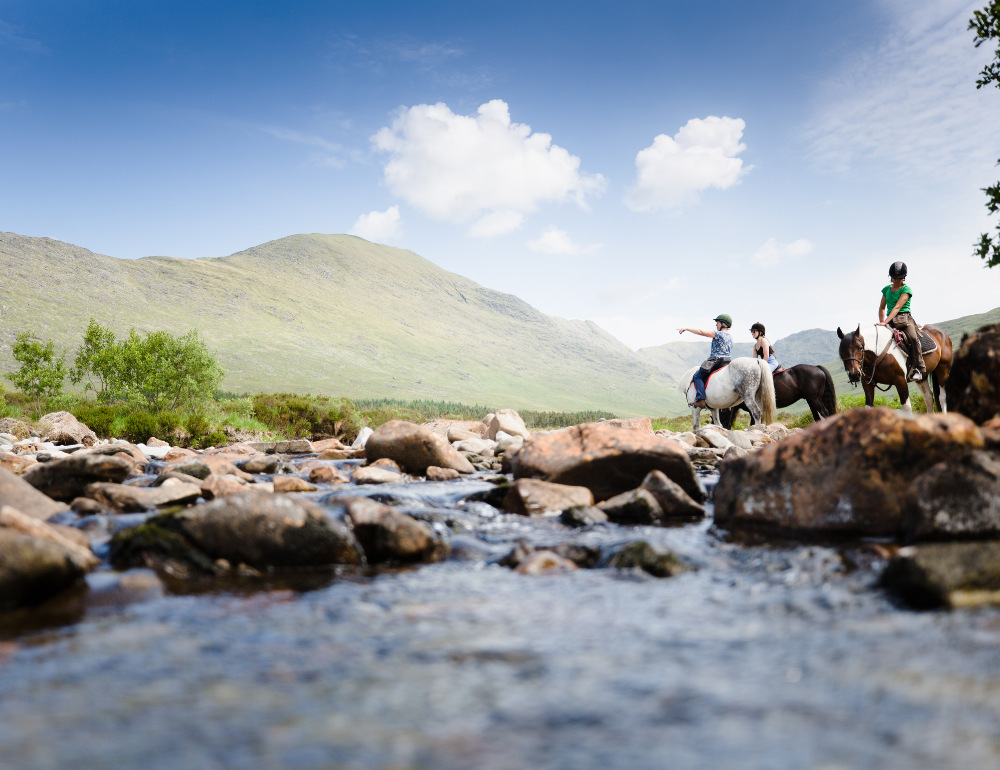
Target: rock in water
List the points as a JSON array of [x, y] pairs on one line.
[[531, 497], [973, 386], [959, 498], [642, 555], [673, 500], [945, 574], [510, 422], [844, 476], [19, 494], [605, 459], [376, 475], [264, 531], [292, 484], [66, 479], [327, 474], [296, 446], [32, 569], [542, 562], [636, 506], [133, 499], [414, 448], [583, 516], [64, 428], [441, 474], [386, 534], [260, 464], [221, 486], [67, 537]]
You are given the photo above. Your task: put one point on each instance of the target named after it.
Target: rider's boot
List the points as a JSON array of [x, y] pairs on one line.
[[700, 404]]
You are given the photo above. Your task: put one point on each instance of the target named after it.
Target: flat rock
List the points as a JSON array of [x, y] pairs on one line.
[[714, 438], [973, 386], [385, 534], [67, 537], [19, 494], [441, 474], [641, 424], [132, 499], [153, 441], [327, 474], [67, 478], [220, 486], [327, 443], [945, 574], [33, 569], [342, 454], [260, 464], [444, 427], [292, 484], [414, 448], [204, 465], [583, 516], [64, 428], [532, 497], [958, 498], [376, 475], [845, 476], [605, 459], [16, 464], [296, 446]]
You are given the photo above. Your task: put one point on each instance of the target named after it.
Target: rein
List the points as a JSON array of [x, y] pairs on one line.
[[878, 360]]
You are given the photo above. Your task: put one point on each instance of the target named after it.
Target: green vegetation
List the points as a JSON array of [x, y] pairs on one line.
[[41, 373], [986, 25]]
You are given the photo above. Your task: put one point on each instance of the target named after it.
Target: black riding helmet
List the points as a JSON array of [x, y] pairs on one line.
[[758, 327], [897, 270]]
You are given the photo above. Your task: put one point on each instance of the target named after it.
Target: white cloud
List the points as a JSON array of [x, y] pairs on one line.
[[459, 168], [912, 100], [556, 241], [377, 226], [671, 172], [772, 252]]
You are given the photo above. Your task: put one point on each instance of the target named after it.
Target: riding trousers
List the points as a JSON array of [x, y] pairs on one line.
[[904, 322], [701, 375]]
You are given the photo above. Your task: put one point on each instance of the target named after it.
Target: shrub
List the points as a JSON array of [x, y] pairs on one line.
[[198, 427], [41, 373], [139, 426], [97, 418], [308, 416]]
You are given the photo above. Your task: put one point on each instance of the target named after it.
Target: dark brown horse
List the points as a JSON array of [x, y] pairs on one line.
[[871, 357], [813, 383]]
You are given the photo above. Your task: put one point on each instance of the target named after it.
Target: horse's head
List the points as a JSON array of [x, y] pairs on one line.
[[852, 353]]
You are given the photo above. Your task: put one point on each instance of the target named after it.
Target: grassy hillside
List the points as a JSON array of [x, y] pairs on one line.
[[955, 329], [333, 314]]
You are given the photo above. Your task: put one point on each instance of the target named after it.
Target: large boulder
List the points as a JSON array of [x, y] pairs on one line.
[[508, 421], [64, 428], [973, 386], [264, 530], [531, 497], [847, 476], [19, 494], [414, 448], [959, 498], [33, 569], [945, 574], [641, 424], [66, 479], [674, 502], [605, 459], [74, 541], [387, 535], [637, 506], [15, 427]]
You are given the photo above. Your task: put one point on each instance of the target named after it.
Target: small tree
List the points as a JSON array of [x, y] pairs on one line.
[[41, 373], [98, 358], [986, 24]]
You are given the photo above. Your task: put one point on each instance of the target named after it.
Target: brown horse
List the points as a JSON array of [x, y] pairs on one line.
[[873, 358], [813, 383]]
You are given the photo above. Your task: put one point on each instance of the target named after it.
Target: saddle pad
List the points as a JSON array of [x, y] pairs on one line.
[[927, 343]]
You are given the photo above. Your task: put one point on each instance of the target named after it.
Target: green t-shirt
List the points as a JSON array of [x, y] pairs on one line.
[[892, 297]]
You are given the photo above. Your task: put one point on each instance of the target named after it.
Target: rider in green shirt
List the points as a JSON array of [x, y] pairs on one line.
[[896, 298]]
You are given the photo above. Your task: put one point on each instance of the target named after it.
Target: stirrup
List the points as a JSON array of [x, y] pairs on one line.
[[915, 376]]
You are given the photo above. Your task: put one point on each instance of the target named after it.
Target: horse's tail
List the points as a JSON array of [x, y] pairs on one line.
[[829, 394], [765, 393], [685, 380]]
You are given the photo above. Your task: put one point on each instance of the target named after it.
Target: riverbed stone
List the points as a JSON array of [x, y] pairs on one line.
[[642, 555], [67, 537], [715, 438], [973, 386], [414, 448], [361, 440], [67, 478], [605, 459], [640, 424], [295, 446], [376, 475], [20, 430], [674, 502], [846, 476], [292, 484], [945, 574], [583, 516], [734, 451], [177, 475], [476, 446], [260, 464], [327, 474], [202, 466], [508, 421], [544, 562], [637, 506], [441, 474], [387, 535], [154, 442], [221, 486], [33, 569], [64, 428], [127, 498], [958, 498], [533, 497], [16, 464], [264, 530], [19, 494]]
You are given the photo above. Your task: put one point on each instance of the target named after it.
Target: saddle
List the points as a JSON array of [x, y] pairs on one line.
[[927, 343], [714, 365]]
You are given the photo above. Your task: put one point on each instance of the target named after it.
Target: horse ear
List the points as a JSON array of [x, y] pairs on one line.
[[840, 333], [858, 330]]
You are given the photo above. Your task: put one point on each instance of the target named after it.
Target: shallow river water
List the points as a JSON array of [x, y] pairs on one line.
[[764, 657]]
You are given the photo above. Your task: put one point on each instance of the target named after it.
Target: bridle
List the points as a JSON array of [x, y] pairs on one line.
[[864, 354]]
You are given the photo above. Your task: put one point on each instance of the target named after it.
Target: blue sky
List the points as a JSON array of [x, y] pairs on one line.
[[765, 160]]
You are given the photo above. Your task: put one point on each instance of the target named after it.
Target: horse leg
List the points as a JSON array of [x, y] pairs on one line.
[[925, 390], [817, 409], [715, 418], [904, 397], [695, 418], [869, 394]]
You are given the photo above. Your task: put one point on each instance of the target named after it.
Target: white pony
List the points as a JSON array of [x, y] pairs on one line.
[[746, 380]]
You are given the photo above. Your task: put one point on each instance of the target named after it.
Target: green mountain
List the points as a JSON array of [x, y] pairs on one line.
[[332, 314]]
